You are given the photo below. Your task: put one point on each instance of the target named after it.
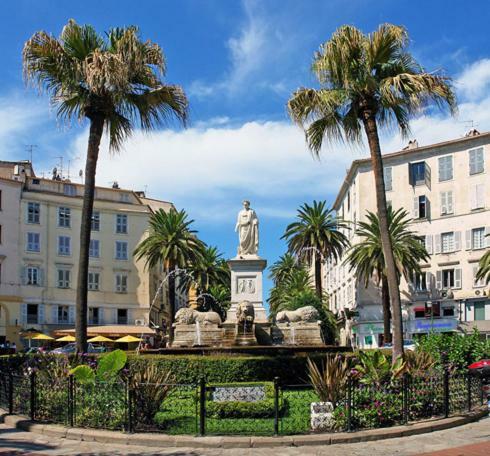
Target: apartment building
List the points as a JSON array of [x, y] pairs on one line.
[[40, 220], [445, 188]]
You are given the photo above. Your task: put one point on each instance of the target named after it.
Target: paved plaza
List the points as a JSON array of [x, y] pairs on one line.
[[469, 440]]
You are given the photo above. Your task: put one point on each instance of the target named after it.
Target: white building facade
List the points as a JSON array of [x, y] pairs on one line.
[[445, 188]]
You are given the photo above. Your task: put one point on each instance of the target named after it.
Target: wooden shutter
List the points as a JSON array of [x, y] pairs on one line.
[[23, 275], [23, 313], [468, 239], [449, 202], [114, 316], [427, 208], [437, 239], [427, 175], [439, 280], [472, 161], [54, 315], [416, 208], [443, 203], [410, 175], [457, 241], [480, 196], [40, 276], [41, 317], [428, 244], [457, 278], [71, 315]]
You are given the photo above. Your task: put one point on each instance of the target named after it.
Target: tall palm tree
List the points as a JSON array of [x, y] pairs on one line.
[[284, 267], [368, 81], [170, 242], [366, 258], [115, 82], [211, 270], [484, 267], [316, 236]]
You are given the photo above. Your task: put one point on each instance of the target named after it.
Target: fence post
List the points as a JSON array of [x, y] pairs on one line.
[[349, 404], [446, 392], [129, 403], [468, 377], [202, 406], [70, 401], [276, 405], [32, 413], [405, 392], [11, 393]]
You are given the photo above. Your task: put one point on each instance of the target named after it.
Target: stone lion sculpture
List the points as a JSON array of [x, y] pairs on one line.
[[307, 314], [245, 314], [187, 316]]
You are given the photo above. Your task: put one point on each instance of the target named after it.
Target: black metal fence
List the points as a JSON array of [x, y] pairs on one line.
[[261, 408]]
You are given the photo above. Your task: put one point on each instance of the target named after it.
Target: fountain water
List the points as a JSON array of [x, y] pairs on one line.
[[198, 334]]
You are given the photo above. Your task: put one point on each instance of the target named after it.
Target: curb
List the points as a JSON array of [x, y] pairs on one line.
[[164, 441]]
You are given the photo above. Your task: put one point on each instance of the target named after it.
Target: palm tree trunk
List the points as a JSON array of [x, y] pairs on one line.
[[371, 130], [385, 299], [171, 303], [95, 135], [318, 275]]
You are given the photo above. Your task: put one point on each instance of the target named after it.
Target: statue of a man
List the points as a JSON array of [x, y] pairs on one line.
[[247, 226]]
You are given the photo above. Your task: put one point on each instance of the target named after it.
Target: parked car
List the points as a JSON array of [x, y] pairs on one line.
[[72, 348], [408, 344]]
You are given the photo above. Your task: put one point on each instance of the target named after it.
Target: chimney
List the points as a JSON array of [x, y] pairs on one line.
[[412, 144], [472, 132]]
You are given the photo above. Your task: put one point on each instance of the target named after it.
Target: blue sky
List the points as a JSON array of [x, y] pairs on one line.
[[238, 61]]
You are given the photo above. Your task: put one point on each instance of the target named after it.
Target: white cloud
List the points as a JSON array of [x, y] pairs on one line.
[[474, 79]]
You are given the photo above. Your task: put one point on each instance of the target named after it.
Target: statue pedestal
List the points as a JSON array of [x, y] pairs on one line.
[[246, 285]]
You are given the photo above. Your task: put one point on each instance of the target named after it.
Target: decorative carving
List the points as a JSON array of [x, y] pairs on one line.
[[307, 314], [246, 286], [187, 316], [245, 315]]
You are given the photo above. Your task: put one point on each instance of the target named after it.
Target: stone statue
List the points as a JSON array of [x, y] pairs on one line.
[[188, 316], [307, 314], [245, 315], [247, 226]]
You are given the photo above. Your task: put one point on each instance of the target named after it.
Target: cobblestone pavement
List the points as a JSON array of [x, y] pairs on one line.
[[468, 440]]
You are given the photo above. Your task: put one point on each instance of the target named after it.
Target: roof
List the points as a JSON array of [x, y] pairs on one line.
[[400, 153], [110, 330]]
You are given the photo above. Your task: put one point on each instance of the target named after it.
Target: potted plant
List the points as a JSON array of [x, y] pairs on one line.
[[329, 381]]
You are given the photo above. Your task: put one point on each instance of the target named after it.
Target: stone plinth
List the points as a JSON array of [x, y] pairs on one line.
[[187, 336], [246, 285], [297, 334]]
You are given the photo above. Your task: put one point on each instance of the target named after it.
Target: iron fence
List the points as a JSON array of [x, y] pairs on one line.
[[258, 408]]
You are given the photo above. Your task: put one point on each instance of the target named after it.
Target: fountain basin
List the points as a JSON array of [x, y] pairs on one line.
[[204, 336], [301, 334]]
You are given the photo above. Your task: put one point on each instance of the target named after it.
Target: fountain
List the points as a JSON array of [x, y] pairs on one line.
[[198, 334]]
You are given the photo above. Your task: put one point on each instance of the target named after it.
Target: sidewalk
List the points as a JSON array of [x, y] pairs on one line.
[[477, 449]]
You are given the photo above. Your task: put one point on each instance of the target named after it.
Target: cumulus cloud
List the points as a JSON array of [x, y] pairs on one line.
[[474, 79]]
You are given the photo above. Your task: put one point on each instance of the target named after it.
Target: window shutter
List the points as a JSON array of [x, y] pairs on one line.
[[439, 280], [472, 161], [410, 174], [428, 243], [468, 239], [457, 278], [71, 315], [114, 315], [457, 240], [487, 236], [427, 175], [23, 275], [130, 316], [40, 276], [54, 315], [101, 315], [449, 201], [41, 318], [480, 196], [443, 203], [427, 208], [23, 313], [416, 207], [437, 243]]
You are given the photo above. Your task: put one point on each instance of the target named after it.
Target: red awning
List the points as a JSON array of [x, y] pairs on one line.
[[419, 309]]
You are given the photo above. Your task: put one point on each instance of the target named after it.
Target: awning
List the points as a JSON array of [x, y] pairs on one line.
[[419, 309]]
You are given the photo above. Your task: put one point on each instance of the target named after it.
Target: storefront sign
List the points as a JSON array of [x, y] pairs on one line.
[[432, 325]]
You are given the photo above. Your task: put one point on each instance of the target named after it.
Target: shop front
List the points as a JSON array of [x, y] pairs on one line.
[[368, 334], [420, 326]]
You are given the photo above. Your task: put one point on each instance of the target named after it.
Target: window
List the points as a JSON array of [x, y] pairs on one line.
[[477, 196], [418, 173], [447, 242], [387, 173], [93, 249], [477, 164], [32, 313], [64, 243], [478, 283], [124, 197], [478, 238], [93, 316], [69, 190], [122, 316], [64, 216], [32, 275], [121, 250], [368, 340], [448, 278], [445, 168], [432, 309], [446, 202], [63, 317], [93, 281], [33, 242], [95, 221], [121, 224], [121, 283], [33, 213], [479, 312], [448, 311], [420, 282], [421, 207], [63, 278]]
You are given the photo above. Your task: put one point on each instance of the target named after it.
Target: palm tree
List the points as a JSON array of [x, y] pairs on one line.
[[484, 267], [115, 82], [366, 82], [284, 267], [211, 270], [367, 260], [316, 236], [170, 242]]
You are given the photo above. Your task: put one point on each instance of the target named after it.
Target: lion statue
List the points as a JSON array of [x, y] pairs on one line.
[[307, 314], [245, 314], [188, 316]]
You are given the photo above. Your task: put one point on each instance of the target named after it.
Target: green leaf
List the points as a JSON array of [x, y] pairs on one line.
[[83, 374], [111, 363]]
